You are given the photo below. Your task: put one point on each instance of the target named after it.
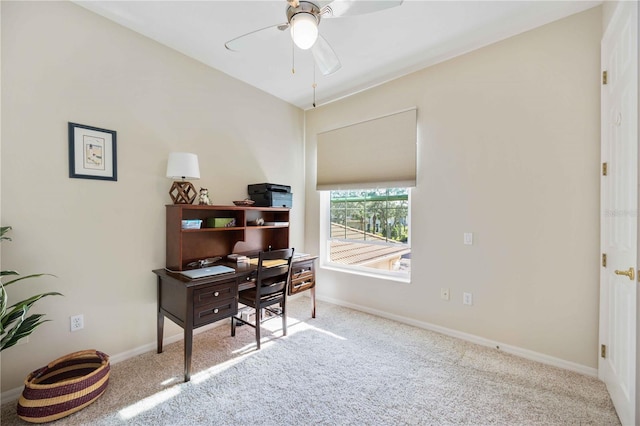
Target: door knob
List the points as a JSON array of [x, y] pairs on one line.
[[630, 273]]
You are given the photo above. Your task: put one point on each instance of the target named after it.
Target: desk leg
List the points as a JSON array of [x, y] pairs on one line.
[[313, 302], [160, 326], [160, 331], [188, 344]]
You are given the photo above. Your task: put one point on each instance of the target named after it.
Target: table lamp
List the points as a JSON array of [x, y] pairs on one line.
[[182, 165]]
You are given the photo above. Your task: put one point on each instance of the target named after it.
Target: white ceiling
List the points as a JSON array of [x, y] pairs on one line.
[[372, 48]]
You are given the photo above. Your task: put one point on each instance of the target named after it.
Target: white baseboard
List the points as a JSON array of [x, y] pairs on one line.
[[524, 353], [14, 394]]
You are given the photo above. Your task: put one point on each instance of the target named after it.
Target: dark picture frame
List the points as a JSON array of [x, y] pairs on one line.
[[92, 153]]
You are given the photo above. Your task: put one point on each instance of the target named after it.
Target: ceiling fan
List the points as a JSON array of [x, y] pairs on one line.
[[303, 19]]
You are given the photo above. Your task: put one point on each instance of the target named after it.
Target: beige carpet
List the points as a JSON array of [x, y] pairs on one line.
[[344, 367]]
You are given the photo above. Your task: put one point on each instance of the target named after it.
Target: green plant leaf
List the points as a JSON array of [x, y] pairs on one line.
[[19, 309], [33, 299], [14, 322], [4, 230], [27, 276], [22, 330], [16, 315], [4, 300]]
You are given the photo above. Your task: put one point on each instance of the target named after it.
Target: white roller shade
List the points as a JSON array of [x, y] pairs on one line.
[[377, 153]]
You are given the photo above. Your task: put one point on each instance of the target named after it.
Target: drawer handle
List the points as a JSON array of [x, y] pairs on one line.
[[303, 283], [215, 311], [216, 294]]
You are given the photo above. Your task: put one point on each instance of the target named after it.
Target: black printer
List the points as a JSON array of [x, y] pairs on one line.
[[270, 195]]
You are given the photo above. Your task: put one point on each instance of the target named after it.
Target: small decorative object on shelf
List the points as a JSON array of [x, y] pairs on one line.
[[245, 202], [203, 198], [191, 224], [221, 222]]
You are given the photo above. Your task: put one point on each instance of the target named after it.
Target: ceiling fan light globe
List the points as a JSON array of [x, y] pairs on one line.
[[304, 30]]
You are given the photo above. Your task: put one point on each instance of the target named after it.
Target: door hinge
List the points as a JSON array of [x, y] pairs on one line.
[[604, 77], [604, 260], [604, 169], [603, 351]]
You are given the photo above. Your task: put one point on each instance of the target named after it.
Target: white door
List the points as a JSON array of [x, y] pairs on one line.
[[619, 215]]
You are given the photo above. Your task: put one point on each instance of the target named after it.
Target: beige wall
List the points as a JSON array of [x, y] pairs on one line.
[[62, 63], [509, 150]]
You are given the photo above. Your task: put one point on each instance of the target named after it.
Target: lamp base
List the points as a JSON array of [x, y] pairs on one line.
[[182, 193]]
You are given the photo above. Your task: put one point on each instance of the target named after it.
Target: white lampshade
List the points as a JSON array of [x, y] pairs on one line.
[[183, 165], [304, 30]]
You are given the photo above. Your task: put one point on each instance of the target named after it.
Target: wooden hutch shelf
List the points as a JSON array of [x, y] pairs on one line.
[[188, 245]]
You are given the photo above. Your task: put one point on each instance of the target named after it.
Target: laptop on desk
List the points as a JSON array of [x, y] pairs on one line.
[[207, 272]]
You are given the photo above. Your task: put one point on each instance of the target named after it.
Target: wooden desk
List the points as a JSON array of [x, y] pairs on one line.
[[195, 303]]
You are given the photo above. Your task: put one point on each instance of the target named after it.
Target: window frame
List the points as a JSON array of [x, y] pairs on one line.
[[325, 239]]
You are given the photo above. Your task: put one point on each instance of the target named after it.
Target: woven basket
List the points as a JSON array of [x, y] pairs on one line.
[[65, 386]]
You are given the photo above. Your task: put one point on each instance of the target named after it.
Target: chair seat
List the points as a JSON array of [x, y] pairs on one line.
[[248, 297]]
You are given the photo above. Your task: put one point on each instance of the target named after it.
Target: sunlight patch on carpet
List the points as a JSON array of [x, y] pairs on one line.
[[300, 326], [148, 403], [203, 376]]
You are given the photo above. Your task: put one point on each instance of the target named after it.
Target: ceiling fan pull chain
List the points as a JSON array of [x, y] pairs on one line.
[[314, 85]]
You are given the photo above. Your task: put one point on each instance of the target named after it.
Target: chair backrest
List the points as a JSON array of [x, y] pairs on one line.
[[274, 271]]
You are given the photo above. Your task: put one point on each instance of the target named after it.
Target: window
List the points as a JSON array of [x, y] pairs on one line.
[[369, 230]]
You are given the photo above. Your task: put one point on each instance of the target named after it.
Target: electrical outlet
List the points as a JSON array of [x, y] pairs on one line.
[[77, 322], [467, 299], [444, 293]]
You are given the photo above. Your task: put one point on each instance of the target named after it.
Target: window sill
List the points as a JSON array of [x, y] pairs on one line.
[[387, 276]]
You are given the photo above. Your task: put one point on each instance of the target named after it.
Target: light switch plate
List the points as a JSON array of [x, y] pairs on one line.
[[467, 299], [468, 238]]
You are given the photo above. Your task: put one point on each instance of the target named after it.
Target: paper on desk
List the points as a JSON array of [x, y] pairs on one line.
[[268, 263]]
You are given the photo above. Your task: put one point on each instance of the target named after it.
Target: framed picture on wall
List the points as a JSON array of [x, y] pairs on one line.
[[92, 153]]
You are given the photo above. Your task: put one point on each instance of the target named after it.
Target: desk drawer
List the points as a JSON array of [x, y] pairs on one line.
[[303, 277], [215, 311], [212, 293]]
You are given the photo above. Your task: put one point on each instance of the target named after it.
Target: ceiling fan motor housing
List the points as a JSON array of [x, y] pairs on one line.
[[303, 7]]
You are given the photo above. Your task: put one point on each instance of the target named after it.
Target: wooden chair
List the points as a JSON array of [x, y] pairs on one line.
[[273, 276]]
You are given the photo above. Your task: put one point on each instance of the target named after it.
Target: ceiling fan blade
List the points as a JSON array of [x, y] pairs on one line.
[[244, 41], [339, 8], [325, 57]]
